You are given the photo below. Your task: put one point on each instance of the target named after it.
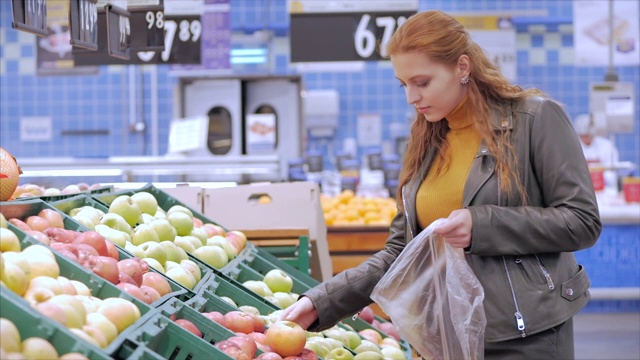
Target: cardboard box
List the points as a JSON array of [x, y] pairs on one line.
[[274, 206]]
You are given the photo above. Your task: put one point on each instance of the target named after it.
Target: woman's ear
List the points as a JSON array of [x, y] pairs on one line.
[[464, 65]]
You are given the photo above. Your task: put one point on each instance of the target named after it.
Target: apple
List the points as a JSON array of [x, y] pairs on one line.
[[94, 239], [144, 233], [269, 355], [89, 212], [232, 350], [53, 217], [201, 234], [51, 311], [197, 222], [73, 309], [40, 236], [8, 241], [181, 222], [215, 316], [153, 263], [3, 221], [96, 334], [286, 338], [338, 334], [284, 299], [369, 355], [121, 312], [354, 339], [214, 229], [85, 221], [38, 348], [135, 250], [184, 243], [189, 326], [9, 336], [393, 353], [46, 282], [155, 251], [118, 237], [278, 281], [180, 208], [84, 336], [168, 265], [258, 337], [238, 321], [213, 256], [115, 221], [37, 223], [163, 229], [42, 264], [239, 236], [70, 189], [318, 347], [193, 268], [105, 267], [132, 268], [246, 344], [388, 341], [367, 314], [194, 241], [371, 335], [339, 354], [146, 202], [258, 287], [389, 329], [228, 300], [81, 288], [124, 206], [249, 309], [367, 345], [156, 281], [182, 276], [171, 251], [224, 244], [74, 356]]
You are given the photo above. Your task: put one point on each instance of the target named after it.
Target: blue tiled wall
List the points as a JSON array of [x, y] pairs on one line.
[[545, 60]]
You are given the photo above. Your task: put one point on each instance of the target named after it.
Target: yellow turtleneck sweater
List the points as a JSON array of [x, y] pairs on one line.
[[439, 195]]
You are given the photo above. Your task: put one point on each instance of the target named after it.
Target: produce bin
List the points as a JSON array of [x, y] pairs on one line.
[[263, 261], [31, 324], [244, 273], [168, 340], [99, 287]]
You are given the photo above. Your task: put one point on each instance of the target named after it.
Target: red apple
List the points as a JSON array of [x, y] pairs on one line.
[[238, 321], [215, 316], [389, 329], [197, 222], [367, 314], [157, 282], [105, 267], [258, 337], [189, 326], [134, 291], [213, 229], [58, 235], [286, 338], [37, 223], [124, 278], [20, 224], [112, 250], [85, 251], [151, 293], [269, 355], [232, 350], [40, 236], [307, 354], [131, 268], [94, 239], [53, 217], [246, 344]]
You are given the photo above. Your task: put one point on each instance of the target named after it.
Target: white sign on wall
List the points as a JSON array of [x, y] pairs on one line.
[[591, 33], [369, 130], [36, 129]]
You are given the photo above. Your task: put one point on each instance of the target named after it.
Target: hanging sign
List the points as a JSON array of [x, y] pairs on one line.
[[345, 30], [30, 16], [83, 23], [118, 31]]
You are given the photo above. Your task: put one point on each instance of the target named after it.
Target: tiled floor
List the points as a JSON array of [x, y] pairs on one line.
[[610, 336]]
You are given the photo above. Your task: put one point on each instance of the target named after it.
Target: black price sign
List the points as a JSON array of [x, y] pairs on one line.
[[345, 36], [30, 16], [147, 27], [118, 32], [83, 24]]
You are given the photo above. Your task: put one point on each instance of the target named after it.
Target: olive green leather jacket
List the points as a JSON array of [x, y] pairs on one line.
[[522, 255]]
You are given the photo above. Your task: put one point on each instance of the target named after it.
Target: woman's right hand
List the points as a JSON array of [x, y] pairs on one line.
[[302, 312]]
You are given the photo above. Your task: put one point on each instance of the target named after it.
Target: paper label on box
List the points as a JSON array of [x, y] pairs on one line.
[[261, 133]]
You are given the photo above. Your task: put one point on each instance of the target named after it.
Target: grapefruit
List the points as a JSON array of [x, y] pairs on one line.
[[9, 175]]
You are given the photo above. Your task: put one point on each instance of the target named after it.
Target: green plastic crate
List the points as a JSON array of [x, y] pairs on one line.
[[264, 262], [243, 273], [169, 340], [31, 324], [34, 206], [99, 287]]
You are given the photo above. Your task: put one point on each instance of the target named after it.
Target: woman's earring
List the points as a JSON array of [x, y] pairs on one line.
[[464, 80]]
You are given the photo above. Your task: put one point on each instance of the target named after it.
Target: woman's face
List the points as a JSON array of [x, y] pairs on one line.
[[433, 88]]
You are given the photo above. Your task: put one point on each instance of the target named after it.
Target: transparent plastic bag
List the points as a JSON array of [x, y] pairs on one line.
[[434, 299]]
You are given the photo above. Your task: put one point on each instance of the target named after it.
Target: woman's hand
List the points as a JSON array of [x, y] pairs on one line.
[[302, 312], [456, 231]]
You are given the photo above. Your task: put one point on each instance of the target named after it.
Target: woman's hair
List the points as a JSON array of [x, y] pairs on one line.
[[443, 39]]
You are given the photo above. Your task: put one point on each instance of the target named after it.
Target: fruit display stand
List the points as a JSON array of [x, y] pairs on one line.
[[32, 324], [24, 209], [98, 287], [51, 198], [292, 205]]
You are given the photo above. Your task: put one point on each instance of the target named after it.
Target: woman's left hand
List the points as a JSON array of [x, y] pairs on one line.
[[457, 229]]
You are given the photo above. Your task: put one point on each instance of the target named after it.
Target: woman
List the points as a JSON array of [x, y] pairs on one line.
[[505, 167]]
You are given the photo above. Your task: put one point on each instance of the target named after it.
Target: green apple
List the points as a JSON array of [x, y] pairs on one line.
[[154, 264], [154, 250], [168, 265], [339, 354], [183, 254], [85, 221], [9, 241], [171, 251], [194, 241], [9, 336], [185, 244], [333, 343], [338, 334], [124, 206], [200, 233], [275, 301], [367, 346], [164, 229], [224, 244], [354, 339], [3, 221], [160, 213], [117, 237], [143, 233], [212, 255], [146, 202], [101, 322], [134, 250], [115, 221], [278, 281], [285, 299], [182, 276], [229, 300], [181, 221], [258, 287], [317, 347], [38, 348], [369, 355], [193, 268], [146, 218], [90, 212], [180, 208], [249, 309], [393, 353]]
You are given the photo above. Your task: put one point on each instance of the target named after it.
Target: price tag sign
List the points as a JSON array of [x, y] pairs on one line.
[[344, 31], [83, 24], [118, 32], [147, 27], [30, 16]]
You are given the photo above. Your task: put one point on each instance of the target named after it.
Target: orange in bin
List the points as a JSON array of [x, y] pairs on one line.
[[631, 189]]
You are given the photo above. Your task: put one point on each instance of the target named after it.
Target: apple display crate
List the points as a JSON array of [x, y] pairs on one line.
[[294, 205], [66, 205], [244, 273], [31, 324], [165, 338], [24, 209], [50, 198], [98, 286]]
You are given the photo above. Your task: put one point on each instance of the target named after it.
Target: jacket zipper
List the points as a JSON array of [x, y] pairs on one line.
[[406, 212], [519, 318], [546, 274], [517, 314]]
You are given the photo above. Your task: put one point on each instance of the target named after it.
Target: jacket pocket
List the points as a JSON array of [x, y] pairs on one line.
[[577, 285]]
